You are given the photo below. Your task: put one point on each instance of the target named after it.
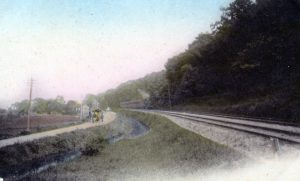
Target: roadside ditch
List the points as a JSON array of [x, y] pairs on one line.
[[19, 161]]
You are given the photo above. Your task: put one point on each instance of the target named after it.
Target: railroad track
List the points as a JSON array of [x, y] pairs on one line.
[[264, 120], [282, 131]]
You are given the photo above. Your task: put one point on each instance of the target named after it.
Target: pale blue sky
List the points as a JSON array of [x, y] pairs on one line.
[[108, 13], [86, 46]]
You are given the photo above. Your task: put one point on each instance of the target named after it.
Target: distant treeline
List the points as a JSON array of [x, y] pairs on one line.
[[154, 84], [253, 51], [47, 106]]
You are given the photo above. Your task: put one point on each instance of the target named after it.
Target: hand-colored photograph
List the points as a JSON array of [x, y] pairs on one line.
[[146, 90]]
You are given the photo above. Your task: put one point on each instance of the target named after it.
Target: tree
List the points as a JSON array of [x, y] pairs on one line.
[[253, 48], [72, 107], [56, 105], [20, 107], [60, 100], [40, 105], [90, 100]]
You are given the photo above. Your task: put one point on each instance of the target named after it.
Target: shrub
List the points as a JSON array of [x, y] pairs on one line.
[[93, 145]]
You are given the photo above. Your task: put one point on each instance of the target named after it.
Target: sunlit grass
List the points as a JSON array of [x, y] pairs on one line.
[[166, 148]]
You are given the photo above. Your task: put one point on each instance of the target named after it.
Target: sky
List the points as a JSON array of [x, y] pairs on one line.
[[75, 47]]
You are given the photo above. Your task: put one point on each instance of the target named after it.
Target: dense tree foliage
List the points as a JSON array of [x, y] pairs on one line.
[[253, 50], [47, 106], [21, 107]]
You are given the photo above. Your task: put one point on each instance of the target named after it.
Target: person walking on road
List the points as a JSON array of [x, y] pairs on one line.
[[95, 115]]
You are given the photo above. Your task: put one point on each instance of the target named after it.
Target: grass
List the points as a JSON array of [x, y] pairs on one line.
[[18, 157], [166, 149]]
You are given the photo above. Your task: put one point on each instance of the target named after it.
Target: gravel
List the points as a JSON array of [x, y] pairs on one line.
[[254, 146]]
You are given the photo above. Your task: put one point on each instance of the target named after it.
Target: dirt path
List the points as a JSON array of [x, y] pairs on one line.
[[108, 117]]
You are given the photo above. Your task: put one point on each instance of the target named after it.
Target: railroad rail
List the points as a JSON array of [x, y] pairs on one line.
[[261, 119], [282, 131]]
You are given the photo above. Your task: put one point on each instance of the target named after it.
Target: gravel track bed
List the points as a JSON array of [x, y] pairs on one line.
[[254, 146]]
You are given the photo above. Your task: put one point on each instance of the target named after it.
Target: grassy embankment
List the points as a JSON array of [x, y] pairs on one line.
[[18, 158], [166, 149], [265, 107]]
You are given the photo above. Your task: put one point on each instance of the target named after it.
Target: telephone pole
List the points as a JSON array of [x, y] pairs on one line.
[[81, 111], [29, 105]]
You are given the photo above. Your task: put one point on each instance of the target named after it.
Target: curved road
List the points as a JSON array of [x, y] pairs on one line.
[[108, 117]]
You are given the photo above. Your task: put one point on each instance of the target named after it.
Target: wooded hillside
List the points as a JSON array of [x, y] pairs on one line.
[[250, 60]]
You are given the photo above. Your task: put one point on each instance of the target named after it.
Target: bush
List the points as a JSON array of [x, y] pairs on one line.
[[93, 145], [25, 132]]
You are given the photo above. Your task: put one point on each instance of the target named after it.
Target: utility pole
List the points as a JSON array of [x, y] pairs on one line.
[[81, 111], [81, 107], [29, 105]]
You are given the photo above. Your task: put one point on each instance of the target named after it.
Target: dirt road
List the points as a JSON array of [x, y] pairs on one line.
[[108, 117]]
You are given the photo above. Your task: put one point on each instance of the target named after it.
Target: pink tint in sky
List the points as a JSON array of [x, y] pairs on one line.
[[74, 65]]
